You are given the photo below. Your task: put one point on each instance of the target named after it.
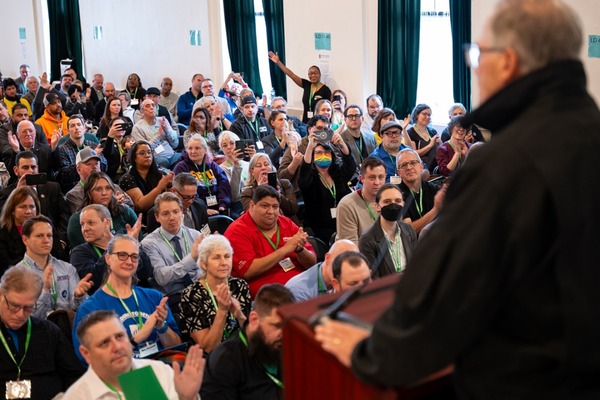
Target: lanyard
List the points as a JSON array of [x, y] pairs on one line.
[[395, 250], [331, 188], [214, 301], [275, 246], [97, 250], [310, 96], [187, 249], [112, 389], [419, 205], [27, 339], [368, 206], [254, 127], [53, 291], [139, 323], [204, 178], [322, 288], [270, 375]]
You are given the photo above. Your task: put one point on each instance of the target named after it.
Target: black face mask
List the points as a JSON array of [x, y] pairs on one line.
[[391, 212]]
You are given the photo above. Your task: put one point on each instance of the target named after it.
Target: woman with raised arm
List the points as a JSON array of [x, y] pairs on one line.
[[314, 89]]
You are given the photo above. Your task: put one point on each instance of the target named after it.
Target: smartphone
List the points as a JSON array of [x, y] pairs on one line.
[[241, 145], [324, 136], [126, 127], [36, 179], [337, 97], [272, 179]]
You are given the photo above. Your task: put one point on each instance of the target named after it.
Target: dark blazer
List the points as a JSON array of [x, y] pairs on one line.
[[368, 140], [12, 249], [99, 110], [45, 161], [52, 205], [199, 215], [372, 243]]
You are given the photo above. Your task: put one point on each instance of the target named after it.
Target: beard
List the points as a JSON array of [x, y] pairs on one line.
[[259, 349]]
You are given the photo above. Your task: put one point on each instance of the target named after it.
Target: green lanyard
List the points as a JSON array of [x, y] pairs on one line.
[[204, 178], [418, 205], [27, 339], [322, 288], [331, 188], [97, 250], [395, 250], [269, 374], [368, 206], [227, 332], [187, 249], [140, 324], [275, 246], [254, 128], [310, 96], [113, 389], [53, 291]]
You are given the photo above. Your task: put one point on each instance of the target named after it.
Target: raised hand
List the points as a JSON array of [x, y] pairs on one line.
[[188, 381], [84, 285]]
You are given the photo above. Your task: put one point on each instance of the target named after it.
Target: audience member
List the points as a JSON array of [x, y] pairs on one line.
[[268, 247], [374, 106], [97, 89], [247, 365], [114, 150], [250, 127], [213, 185], [318, 279], [11, 97], [389, 243], [135, 90], [168, 98], [349, 269], [235, 167], [36, 359], [360, 142], [54, 120], [455, 110], [201, 124], [217, 305], [104, 346], [452, 154], [186, 101], [62, 287], [357, 211], [28, 139], [21, 80], [112, 110], [391, 144], [151, 327], [278, 103], [425, 139], [109, 91]]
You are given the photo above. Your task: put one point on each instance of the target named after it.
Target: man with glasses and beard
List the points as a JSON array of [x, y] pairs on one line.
[[246, 366]]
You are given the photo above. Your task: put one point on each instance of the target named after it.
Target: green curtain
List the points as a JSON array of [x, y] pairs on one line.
[[65, 36], [460, 23], [276, 42], [240, 25], [398, 31]]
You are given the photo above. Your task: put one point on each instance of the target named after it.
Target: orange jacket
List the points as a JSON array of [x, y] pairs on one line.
[[49, 124]]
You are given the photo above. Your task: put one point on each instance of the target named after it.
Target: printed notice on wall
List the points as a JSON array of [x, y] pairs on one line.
[[594, 46], [98, 32], [22, 33], [322, 41], [195, 37]]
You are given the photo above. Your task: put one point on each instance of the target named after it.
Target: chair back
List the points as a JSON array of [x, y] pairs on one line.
[[219, 223], [319, 246]]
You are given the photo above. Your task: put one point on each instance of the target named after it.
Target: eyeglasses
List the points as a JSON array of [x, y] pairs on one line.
[[473, 53], [408, 164], [123, 256], [353, 116], [15, 308], [186, 198], [143, 153], [392, 133]]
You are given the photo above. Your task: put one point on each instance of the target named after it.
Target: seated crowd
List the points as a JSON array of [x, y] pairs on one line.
[[112, 201]]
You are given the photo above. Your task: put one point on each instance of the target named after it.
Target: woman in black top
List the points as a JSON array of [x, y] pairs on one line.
[[314, 89], [324, 181]]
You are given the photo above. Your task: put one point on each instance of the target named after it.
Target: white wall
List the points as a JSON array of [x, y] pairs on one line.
[[13, 53], [150, 38]]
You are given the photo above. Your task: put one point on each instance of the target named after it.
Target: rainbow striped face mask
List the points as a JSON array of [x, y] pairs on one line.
[[323, 160]]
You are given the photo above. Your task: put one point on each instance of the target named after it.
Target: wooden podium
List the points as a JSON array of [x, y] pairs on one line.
[[311, 373]]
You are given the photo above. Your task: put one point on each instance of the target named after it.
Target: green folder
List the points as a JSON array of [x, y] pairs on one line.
[[141, 384]]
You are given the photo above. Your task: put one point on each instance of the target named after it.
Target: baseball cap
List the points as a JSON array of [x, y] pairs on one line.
[[248, 100], [51, 98], [153, 90], [86, 155]]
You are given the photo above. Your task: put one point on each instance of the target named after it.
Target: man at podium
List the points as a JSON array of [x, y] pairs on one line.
[[508, 294]]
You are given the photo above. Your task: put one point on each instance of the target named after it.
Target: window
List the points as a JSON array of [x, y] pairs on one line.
[[261, 44], [435, 60]]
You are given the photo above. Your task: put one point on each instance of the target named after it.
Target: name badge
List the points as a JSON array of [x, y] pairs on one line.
[[211, 201], [18, 389], [134, 102], [333, 212], [205, 230], [159, 149], [148, 349], [262, 129], [260, 145], [395, 180], [309, 114], [286, 264]]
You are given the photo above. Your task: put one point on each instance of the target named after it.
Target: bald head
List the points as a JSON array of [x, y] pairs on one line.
[[25, 125], [109, 89], [338, 248]]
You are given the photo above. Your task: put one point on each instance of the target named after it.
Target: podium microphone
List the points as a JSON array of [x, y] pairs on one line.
[[333, 311]]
